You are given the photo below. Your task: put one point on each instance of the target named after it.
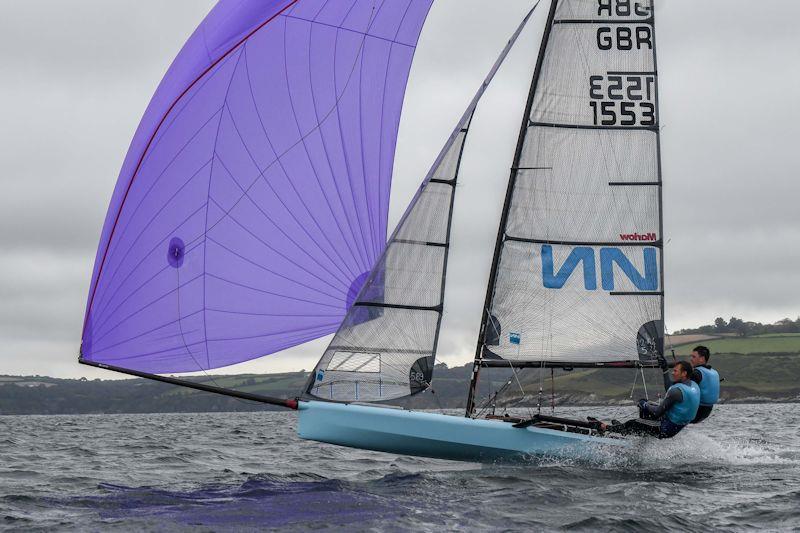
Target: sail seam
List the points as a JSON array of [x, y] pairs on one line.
[[533, 124], [604, 21]]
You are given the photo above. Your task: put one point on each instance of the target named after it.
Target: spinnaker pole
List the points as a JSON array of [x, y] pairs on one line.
[[289, 403]]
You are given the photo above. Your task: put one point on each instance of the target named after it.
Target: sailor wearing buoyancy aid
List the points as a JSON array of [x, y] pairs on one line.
[[707, 379], [680, 404]]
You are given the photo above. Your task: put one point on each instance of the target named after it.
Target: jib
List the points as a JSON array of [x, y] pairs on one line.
[[608, 258], [624, 8]]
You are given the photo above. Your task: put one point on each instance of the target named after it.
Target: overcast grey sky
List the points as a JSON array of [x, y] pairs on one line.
[[76, 76]]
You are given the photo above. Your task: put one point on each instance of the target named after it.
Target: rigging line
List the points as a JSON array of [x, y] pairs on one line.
[[521, 390], [144, 152], [541, 387], [297, 123], [433, 392], [644, 384], [635, 379], [492, 398]]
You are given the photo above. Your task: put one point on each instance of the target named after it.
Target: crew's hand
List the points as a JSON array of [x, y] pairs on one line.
[[662, 362]]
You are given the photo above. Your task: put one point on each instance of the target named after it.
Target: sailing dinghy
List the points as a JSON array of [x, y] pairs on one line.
[[251, 211]]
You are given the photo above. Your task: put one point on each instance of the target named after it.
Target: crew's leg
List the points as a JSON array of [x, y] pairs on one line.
[[668, 429], [637, 426]]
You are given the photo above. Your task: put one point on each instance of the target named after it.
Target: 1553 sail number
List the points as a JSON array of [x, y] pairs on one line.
[[626, 99]]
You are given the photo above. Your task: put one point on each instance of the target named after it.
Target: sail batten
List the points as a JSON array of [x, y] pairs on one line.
[[578, 270]]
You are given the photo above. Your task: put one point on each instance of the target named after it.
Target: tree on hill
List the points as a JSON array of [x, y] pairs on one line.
[[738, 326], [743, 328]]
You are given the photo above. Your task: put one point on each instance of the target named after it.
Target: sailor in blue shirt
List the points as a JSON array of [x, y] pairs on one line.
[[665, 419], [707, 379]]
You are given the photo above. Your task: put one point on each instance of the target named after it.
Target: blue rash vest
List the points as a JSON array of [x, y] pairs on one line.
[[709, 385], [683, 412]]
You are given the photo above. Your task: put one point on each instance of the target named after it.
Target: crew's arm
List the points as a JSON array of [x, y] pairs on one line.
[[674, 396], [697, 376], [662, 363]]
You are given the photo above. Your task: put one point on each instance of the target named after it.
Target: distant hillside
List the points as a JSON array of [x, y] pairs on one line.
[[765, 368], [785, 343]]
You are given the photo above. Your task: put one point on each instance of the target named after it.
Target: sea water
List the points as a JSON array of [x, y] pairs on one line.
[[740, 470]]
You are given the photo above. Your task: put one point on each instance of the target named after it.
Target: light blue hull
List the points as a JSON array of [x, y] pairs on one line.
[[442, 436]]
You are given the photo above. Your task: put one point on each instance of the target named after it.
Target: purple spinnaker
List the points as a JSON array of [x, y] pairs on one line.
[[254, 196]]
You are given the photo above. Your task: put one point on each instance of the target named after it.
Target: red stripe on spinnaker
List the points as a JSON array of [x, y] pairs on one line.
[[147, 147]]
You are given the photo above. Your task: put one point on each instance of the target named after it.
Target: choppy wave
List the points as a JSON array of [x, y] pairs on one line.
[[248, 471]]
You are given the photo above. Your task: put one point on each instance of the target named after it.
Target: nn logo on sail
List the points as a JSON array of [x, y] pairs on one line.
[[610, 257]]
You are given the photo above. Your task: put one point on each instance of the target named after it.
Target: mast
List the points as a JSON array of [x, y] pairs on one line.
[[485, 318], [660, 180]]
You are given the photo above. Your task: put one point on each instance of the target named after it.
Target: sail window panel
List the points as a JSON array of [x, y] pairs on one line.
[[570, 315], [428, 219], [400, 341], [345, 361], [408, 274], [570, 196], [604, 10], [583, 84]]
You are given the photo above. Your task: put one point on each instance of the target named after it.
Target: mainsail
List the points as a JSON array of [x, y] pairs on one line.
[[578, 274], [254, 198], [392, 355]]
